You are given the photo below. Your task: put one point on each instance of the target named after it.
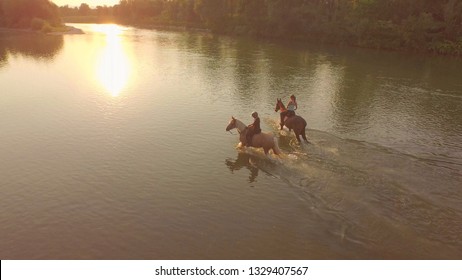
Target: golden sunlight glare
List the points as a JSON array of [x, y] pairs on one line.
[[113, 67]]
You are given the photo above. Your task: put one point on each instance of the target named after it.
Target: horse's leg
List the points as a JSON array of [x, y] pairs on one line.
[[266, 150], [282, 115], [288, 123], [297, 134], [304, 136], [243, 140]]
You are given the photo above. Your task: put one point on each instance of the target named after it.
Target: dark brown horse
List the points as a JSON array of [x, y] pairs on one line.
[[297, 123]]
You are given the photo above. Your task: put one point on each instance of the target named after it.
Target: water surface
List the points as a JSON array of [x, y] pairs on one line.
[[114, 147]]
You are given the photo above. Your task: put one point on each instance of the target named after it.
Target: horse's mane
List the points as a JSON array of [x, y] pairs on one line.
[[281, 104], [240, 125]]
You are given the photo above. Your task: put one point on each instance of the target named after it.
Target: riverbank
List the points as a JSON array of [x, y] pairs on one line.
[[69, 30], [413, 26], [142, 24], [437, 48], [55, 31], [16, 30]]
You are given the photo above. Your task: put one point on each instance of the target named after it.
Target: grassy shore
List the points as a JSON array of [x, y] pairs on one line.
[[53, 31], [15, 30]]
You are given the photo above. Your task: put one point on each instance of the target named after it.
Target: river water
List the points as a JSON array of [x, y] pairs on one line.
[[113, 146]]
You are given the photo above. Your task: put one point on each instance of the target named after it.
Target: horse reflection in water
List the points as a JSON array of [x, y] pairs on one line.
[[297, 123], [243, 160], [260, 140]]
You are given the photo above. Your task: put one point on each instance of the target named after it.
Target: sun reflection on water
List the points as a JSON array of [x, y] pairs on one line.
[[113, 66]]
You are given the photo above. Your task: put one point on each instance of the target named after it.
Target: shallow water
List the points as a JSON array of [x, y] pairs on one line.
[[114, 147]]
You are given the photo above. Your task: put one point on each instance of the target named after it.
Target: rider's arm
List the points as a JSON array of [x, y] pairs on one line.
[[255, 123]]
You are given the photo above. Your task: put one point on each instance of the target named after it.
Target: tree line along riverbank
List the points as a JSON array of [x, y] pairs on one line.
[[416, 25], [410, 25]]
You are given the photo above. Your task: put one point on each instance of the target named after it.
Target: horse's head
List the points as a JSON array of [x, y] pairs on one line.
[[279, 105], [231, 124]]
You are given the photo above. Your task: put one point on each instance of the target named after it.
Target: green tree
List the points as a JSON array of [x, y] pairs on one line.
[[385, 24], [2, 16], [213, 13], [84, 9], [19, 13]]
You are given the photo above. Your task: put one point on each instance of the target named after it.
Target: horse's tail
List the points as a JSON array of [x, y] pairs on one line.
[[304, 123], [303, 132]]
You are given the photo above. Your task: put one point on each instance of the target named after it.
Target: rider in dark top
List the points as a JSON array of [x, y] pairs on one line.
[[253, 128]]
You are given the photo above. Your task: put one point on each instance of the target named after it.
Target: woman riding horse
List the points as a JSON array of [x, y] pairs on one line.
[[262, 140], [291, 107], [254, 128], [297, 123]]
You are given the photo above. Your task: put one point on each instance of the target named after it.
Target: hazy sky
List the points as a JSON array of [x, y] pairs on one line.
[[91, 3]]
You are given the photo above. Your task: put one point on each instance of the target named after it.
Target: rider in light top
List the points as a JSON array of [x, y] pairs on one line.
[[292, 106]]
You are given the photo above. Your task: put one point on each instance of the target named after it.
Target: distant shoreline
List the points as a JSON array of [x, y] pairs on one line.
[[144, 25], [68, 30], [16, 30]]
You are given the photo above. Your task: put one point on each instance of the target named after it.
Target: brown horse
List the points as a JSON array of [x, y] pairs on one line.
[[297, 123], [260, 140]]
